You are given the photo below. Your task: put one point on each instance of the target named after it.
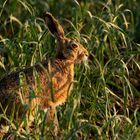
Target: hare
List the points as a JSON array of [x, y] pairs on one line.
[[50, 82]]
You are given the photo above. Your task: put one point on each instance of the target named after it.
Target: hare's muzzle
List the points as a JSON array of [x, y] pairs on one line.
[[85, 61], [85, 58]]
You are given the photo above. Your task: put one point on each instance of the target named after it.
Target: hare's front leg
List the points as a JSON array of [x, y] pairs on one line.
[[55, 120], [52, 120]]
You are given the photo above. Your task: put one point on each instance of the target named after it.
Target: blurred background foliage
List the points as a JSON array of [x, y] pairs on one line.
[[107, 103], [19, 12]]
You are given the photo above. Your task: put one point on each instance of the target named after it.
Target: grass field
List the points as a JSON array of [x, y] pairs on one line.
[[105, 101]]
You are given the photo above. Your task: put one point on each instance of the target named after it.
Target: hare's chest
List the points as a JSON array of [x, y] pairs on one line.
[[62, 81]]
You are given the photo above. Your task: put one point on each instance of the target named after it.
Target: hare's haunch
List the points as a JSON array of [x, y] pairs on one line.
[[46, 84]]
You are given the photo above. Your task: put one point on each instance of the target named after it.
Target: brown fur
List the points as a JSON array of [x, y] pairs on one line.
[[55, 76]]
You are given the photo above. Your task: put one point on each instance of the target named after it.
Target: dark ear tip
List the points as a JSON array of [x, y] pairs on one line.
[[47, 14]]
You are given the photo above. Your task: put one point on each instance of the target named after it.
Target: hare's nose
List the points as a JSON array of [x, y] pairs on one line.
[[85, 60], [85, 57]]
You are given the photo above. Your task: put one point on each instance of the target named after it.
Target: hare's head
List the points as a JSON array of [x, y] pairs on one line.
[[69, 49]]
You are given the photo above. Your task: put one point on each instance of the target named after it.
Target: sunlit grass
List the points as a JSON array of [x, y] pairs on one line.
[[102, 104]]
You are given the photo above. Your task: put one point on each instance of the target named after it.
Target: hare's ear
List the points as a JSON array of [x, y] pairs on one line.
[[54, 27]]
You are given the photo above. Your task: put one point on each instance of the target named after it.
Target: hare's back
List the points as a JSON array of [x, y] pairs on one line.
[[9, 82]]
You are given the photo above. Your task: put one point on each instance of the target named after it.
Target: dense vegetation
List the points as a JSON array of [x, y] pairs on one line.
[[105, 101]]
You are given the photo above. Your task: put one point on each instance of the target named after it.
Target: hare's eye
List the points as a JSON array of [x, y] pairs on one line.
[[74, 45]]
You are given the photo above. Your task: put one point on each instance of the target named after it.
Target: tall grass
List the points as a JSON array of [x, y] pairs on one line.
[[104, 103]]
